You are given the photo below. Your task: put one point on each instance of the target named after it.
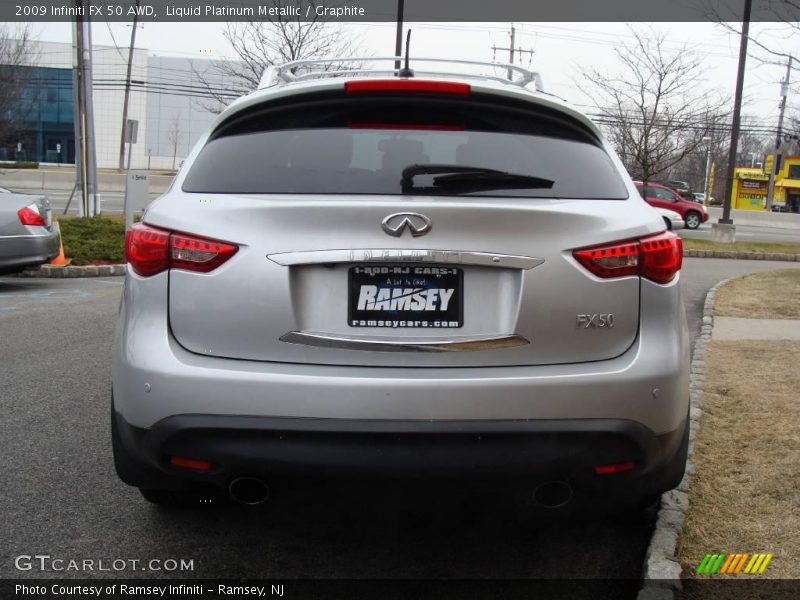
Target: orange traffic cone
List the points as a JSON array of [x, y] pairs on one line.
[[60, 260]]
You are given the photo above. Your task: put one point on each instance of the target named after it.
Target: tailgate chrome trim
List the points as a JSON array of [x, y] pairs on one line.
[[455, 257], [323, 340]]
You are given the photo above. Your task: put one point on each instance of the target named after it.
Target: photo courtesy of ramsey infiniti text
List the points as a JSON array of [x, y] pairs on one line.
[[429, 275]]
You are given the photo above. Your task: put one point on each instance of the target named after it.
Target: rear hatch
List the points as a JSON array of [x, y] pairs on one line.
[[350, 252]]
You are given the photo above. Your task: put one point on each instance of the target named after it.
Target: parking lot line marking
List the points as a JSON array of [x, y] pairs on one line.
[[107, 282]]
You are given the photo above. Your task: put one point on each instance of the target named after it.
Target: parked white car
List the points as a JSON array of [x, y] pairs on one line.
[[672, 220]]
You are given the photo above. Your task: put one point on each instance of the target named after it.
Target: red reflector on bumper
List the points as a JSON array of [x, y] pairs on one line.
[[189, 463], [616, 468]]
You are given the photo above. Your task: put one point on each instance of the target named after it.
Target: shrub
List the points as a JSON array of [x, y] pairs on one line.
[[93, 239], [20, 164]]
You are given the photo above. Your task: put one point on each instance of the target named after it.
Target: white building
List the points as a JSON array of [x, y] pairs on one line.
[[167, 98]]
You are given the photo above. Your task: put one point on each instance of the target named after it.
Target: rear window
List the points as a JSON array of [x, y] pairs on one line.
[[362, 146]]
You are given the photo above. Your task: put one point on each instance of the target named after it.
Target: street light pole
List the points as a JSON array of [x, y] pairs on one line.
[[706, 192], [126, 97], [724, 230]]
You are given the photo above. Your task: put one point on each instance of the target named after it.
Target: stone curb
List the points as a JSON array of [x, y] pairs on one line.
[[662, 568], [70, 271], [780, 256], [103, 271]]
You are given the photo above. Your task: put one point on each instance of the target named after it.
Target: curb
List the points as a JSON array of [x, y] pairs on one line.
[[114, 270], [70, 271], [779, 256], [662, 568]]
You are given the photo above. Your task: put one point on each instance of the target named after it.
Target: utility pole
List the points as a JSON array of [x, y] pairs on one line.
[[724, 230], [88, 97], [79, 116], [85, 158], [512, 50], [127, 89], [778, 139]]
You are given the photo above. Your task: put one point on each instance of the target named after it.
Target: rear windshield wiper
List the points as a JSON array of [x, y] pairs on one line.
[[459, 178]]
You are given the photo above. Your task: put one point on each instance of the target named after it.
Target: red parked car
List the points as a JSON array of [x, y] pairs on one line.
[[661, 196]]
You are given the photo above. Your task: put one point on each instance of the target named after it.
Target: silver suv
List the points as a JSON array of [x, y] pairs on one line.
[[420, 276]]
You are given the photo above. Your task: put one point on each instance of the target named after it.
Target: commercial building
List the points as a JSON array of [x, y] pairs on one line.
[[750, 186], [168, 99]]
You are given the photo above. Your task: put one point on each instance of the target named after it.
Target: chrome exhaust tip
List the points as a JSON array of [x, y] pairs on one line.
[[553, 494], [248, 490]]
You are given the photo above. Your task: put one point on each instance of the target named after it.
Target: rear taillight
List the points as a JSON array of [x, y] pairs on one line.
[[150, 250], [657, 258], [414, 86], [30, 215], [147, 249], [198, 254], [662, 257]]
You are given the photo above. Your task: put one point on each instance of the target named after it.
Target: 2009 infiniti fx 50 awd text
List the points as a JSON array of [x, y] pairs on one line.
[[404, 276]]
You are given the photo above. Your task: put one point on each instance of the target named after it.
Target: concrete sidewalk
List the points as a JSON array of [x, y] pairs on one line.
[[727, 329], [64, 179]]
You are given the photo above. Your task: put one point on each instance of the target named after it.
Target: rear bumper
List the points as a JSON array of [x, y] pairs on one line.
[[274, 447], [155, 378], [268, 419], [19, 252]]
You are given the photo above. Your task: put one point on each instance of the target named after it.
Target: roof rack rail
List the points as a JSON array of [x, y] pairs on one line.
[[285, 73]]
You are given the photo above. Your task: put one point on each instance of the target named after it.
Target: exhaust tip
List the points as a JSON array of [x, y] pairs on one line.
[[553, 494], [248, 490]]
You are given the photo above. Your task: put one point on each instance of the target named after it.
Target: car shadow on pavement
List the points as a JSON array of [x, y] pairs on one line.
[[357, 530]]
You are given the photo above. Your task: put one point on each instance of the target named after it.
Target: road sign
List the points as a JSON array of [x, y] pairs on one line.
[[131, 131], [137, 194]]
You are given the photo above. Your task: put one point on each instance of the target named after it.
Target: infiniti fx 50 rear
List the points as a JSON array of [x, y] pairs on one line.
[[427, 278]]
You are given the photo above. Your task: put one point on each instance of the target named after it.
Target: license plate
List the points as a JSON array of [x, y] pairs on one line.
[[405, 296]]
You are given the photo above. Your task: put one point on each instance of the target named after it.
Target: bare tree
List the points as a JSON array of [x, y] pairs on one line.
[[174, 135], [792, 135], [261, 44], [654, 108], [754, 142], [776, 43], [715, 136], [18, 54], [778, 40]]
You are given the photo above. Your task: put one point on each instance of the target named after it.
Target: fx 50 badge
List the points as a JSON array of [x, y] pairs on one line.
[[595, 321]]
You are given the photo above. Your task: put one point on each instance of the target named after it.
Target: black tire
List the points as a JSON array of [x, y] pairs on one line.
[[668, 223], [692, 219]]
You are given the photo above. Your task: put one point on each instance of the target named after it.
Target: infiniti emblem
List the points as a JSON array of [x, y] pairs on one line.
[[416, 223]]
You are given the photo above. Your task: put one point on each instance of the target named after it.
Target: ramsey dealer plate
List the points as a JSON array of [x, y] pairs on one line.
[[405, 296]]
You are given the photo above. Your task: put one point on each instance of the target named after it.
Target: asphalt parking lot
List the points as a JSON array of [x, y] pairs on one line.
[[61, 496]]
